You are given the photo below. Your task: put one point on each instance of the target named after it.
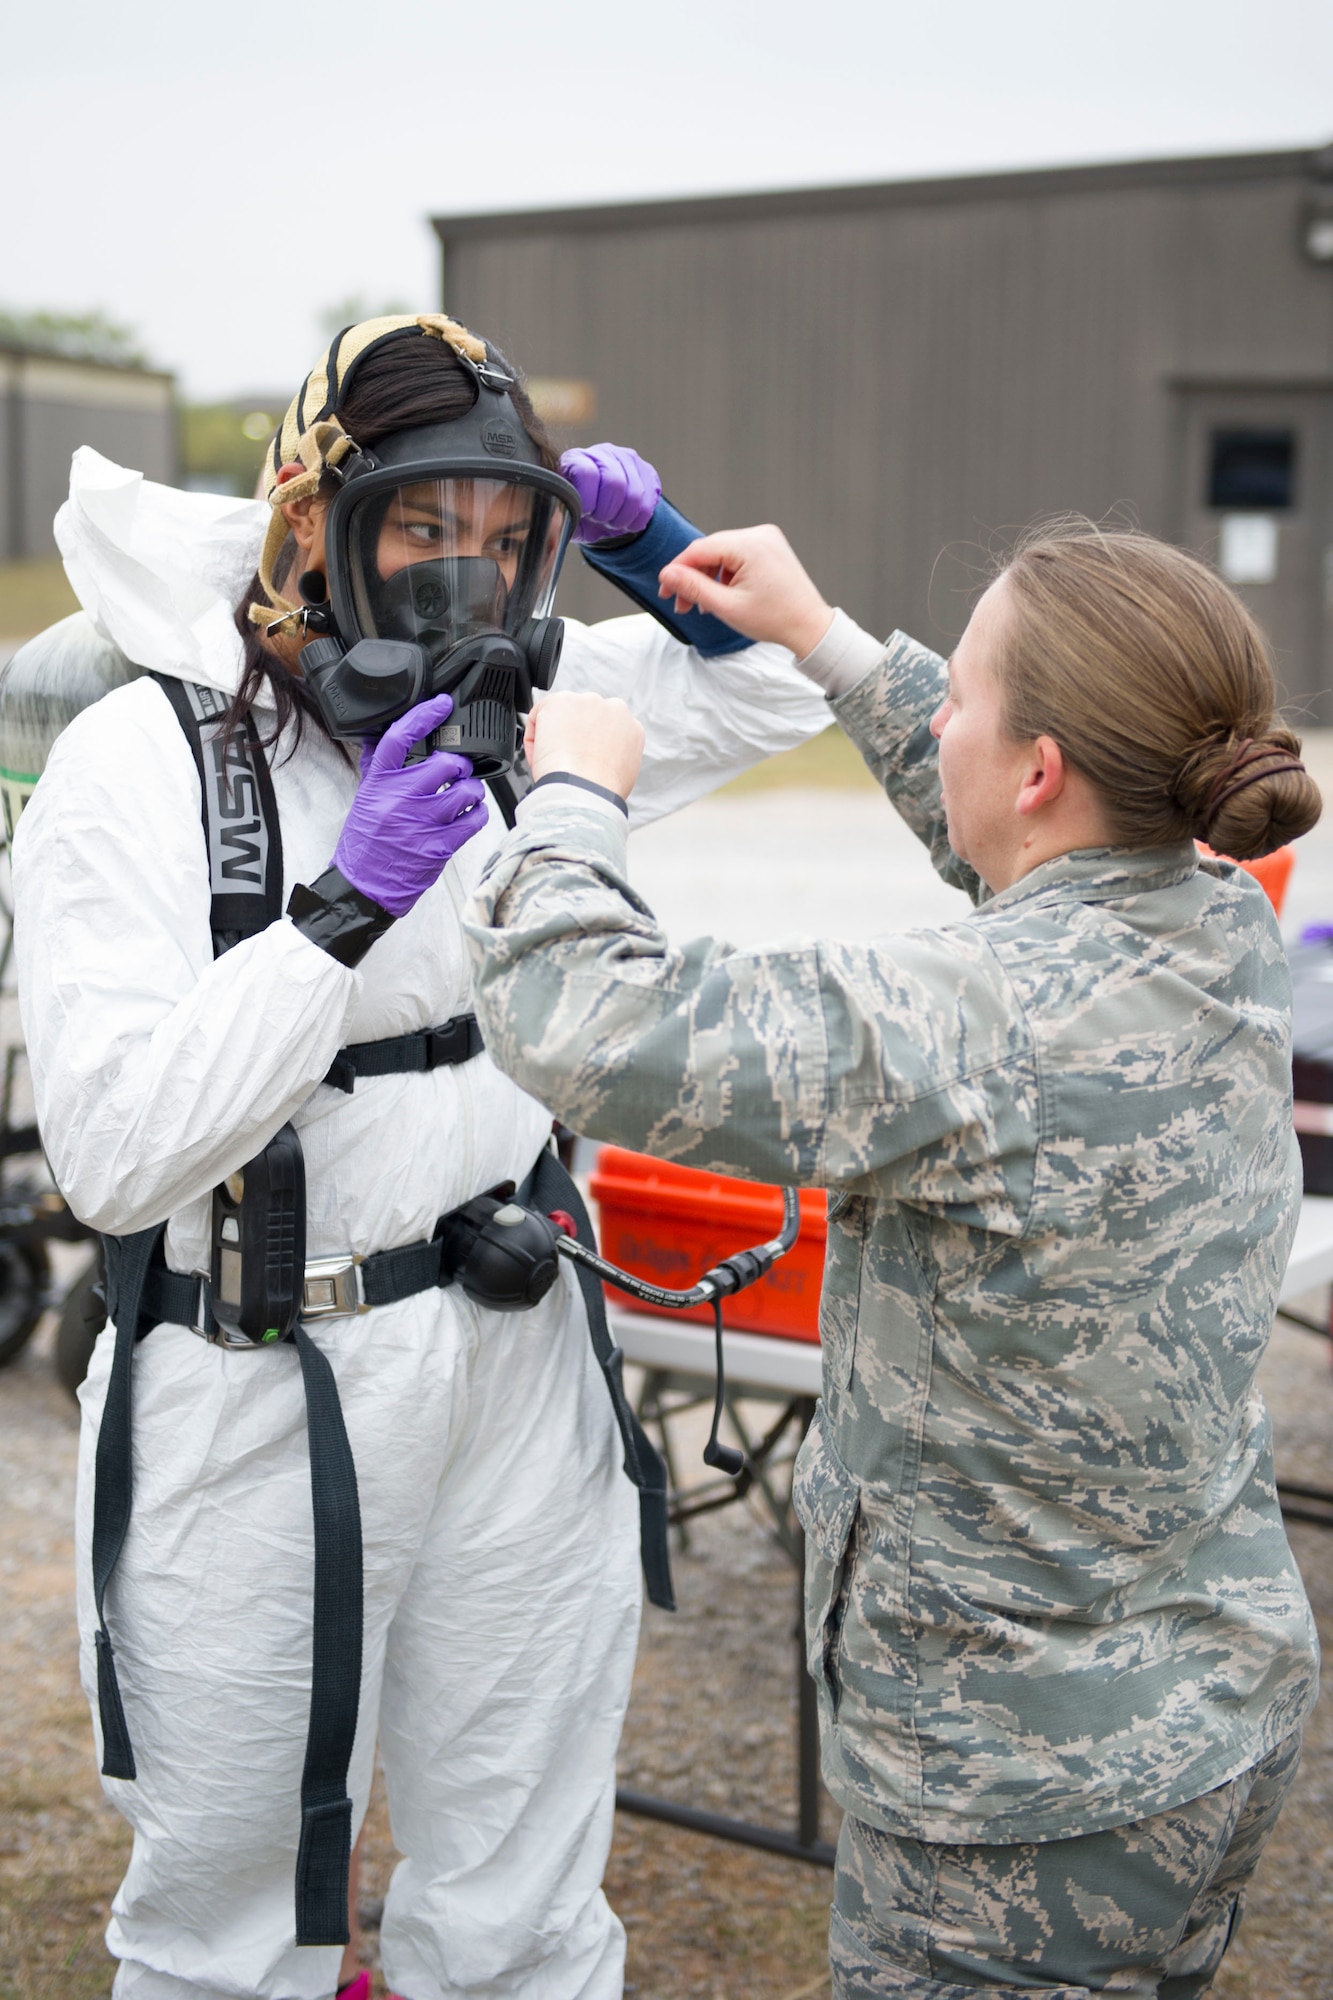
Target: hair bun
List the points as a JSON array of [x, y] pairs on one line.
[[1247, 795]]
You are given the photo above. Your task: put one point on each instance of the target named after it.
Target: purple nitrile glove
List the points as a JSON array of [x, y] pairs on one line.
[[617, 490], [402, 828]]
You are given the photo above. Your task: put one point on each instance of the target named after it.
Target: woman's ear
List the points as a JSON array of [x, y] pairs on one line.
[[1044, 776], [305, 518]]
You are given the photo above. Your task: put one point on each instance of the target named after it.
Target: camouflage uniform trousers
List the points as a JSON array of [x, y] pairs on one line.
[[1145, 1910]]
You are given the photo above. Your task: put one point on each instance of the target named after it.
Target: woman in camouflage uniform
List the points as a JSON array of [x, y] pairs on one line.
[[1063, 1651]]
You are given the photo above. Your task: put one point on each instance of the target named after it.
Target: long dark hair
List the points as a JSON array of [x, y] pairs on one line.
[[400, 386]]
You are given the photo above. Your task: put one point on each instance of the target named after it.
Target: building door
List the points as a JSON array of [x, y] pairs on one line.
[[1257, 500]]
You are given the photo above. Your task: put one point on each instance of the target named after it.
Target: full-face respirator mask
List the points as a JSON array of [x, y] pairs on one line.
[[442, 545]]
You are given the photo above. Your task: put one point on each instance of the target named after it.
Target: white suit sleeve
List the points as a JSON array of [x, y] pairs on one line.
[[706, 721], [156, 1070]]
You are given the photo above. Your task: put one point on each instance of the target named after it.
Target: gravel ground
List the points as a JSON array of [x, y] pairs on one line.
[[712, 1723]]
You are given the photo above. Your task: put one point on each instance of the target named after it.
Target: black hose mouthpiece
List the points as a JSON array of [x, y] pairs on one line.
[[721, 1456]]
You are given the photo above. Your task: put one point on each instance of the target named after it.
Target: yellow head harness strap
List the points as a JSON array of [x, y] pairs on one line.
[[310, 434]]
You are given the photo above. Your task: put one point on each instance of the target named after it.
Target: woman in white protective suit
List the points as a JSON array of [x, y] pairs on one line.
[[417, 523]]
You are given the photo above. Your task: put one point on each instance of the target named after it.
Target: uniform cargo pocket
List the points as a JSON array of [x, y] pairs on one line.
[[827, 1501]]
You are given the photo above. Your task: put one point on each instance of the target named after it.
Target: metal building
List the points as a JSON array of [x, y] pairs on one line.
[[49, 405], [899, 373]]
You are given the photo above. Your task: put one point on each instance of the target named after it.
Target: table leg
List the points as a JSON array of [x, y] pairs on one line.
[[804, 1844]]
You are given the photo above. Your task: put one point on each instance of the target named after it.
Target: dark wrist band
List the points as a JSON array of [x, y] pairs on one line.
[[610, 543], [584, 785], [337, 917]]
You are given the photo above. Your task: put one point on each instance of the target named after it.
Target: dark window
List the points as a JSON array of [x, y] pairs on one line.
[[1252, 470]]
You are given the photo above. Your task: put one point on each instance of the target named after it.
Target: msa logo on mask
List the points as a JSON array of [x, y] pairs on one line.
[[498, 439]]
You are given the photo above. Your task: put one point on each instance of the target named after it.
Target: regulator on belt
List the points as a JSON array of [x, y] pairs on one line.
[[503, 1248]]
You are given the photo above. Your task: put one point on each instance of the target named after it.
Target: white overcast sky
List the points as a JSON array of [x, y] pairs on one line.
[[216, 174]]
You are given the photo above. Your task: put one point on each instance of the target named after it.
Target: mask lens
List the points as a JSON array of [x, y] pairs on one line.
[[437, 561]]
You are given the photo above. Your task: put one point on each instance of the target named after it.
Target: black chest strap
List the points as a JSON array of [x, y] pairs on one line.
[[454, 1041]]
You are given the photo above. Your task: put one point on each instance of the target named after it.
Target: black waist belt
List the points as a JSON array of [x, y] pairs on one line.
[[140, 1293], [341, 1288], [334, 1288], [455, 1041]]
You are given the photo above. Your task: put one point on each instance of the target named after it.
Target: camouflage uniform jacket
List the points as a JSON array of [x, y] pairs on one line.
[[1048, 1585]]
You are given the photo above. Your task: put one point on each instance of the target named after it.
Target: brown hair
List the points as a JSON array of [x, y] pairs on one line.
[[399, 386], [1155, 681]]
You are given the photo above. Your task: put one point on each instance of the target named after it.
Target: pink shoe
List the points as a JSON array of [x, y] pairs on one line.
[[359, 1989]]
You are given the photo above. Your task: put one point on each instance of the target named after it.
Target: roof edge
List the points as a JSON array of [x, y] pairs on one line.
[[22, 351], [857, 196]]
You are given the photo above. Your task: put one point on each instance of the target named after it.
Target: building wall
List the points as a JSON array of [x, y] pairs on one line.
[[900, 375], [48, 407]]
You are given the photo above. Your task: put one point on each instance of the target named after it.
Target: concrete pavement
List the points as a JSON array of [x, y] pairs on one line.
[[762, 866]]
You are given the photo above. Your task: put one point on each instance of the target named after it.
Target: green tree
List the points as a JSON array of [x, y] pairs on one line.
[[90, 336], [223, 444]]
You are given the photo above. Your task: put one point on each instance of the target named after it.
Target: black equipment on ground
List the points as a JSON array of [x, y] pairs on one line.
[[25, 1275], [31, 1216]]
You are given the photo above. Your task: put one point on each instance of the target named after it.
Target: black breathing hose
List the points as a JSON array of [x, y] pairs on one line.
[[732, 1274]]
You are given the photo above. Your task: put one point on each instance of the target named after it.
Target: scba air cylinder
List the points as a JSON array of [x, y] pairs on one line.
[[49, 681]]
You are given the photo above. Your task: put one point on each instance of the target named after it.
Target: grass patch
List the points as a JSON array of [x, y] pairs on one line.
[[62, 1852], [33, 595], [54, 1929], [828, 762]]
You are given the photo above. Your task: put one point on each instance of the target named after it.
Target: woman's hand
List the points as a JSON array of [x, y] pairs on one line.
[[408, 821], [587, 735], [618, 491], [752, 579]]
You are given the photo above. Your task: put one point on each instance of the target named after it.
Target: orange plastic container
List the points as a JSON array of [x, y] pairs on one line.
[[668, 1224], [1271, 871]]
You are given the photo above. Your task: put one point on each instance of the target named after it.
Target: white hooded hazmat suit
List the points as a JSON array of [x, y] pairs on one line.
[[500, 1534]]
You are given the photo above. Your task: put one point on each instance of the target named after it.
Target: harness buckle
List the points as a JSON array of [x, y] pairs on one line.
[[212, 1330], [202, 1321], [452, 1042], [332, 1289]]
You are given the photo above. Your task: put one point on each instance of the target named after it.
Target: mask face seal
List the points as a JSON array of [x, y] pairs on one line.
[[443, 549]]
